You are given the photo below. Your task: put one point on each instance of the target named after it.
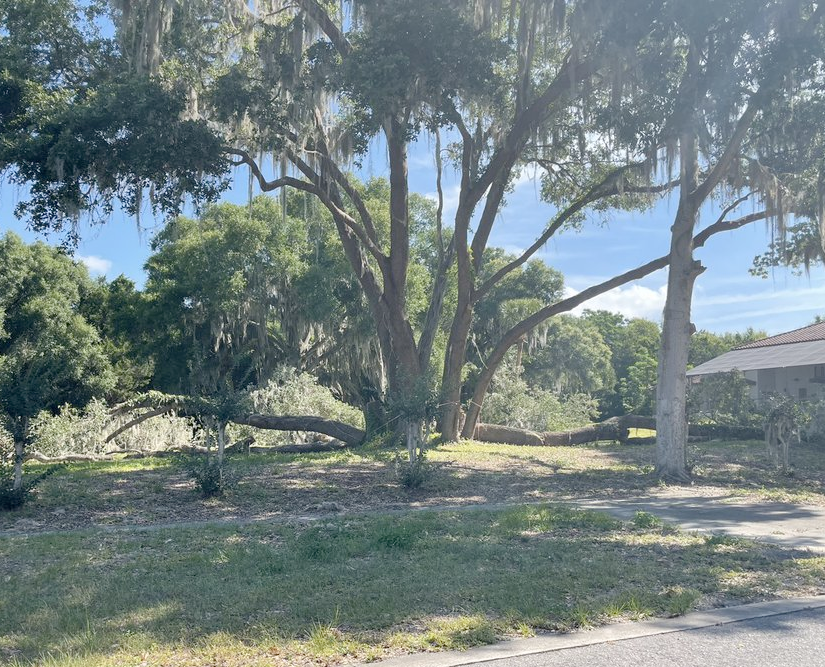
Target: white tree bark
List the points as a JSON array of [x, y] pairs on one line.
[[671, 389]]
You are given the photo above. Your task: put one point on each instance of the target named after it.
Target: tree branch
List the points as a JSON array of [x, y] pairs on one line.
[[571, 73], [263, 183], [596, 192], [317, 13]]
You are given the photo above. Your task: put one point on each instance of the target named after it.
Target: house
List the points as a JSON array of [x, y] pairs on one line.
[[791, 363]]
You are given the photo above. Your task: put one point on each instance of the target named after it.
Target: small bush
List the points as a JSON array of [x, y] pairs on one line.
[[413, 475], [211, 480], [723, 399]]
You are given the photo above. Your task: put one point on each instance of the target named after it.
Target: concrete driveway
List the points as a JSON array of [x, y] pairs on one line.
[[787, 524]]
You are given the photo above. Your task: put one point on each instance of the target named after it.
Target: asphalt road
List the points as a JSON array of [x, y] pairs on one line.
[[789, 640]]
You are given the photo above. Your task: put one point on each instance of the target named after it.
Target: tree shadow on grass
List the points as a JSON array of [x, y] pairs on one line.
[[550, 567]]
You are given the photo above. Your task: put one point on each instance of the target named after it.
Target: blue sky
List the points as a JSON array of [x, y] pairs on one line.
[[726, 297]]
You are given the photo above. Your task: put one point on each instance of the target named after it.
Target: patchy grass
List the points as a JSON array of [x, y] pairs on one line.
[[152, 491], [361, 588]]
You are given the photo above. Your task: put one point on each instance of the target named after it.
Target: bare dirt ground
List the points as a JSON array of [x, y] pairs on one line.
[[283, 487]]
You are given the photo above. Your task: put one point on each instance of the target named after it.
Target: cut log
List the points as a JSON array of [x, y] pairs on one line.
[[615, 428]]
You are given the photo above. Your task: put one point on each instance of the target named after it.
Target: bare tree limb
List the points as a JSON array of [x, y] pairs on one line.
[[263, 183]]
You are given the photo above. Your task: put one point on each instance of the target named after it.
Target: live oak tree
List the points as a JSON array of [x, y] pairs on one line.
[[305, 88], [310, 84], [730, 86], [82, 131]]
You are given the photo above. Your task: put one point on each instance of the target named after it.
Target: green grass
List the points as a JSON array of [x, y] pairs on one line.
[[360, 587]]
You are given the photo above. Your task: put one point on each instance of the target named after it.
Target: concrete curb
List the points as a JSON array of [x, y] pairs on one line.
[[610, 633]]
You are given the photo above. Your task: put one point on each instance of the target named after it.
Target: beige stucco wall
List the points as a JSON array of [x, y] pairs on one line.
[[787, 381]]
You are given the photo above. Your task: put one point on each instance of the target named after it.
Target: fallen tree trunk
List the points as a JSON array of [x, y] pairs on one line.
[[113, 455], [507, 435], [615, 428], [160, 404], [349, 434]]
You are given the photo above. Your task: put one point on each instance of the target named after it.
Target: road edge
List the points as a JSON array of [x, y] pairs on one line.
[[610, 633]]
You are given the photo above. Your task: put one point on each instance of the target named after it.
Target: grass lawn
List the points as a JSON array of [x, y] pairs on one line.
[[361, 588], [111, 563]]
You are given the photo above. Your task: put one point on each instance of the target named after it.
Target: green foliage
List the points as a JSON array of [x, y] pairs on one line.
[[634, 345], [72, 430], [211, 284], [799, 249], [646, 520], [638, 387], [212, 480], [724, 399], [513, 402], [814, 421], [244, 289], [521, 293], [778, 407], [49, 354], [413, 474], [12, 498], [81, 130], [293, 392], [573, 358], [408, 55]]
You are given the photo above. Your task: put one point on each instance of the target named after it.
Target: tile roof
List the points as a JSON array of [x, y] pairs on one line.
[[812, 332]]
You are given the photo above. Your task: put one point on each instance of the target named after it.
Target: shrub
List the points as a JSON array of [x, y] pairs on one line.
[[211, 480], [512, 402], [413, 474], [73, 431], [292, 393], [814, 421], [723, 399]]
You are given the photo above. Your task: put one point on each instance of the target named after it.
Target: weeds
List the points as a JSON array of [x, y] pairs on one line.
[[11, 498], [646, 520]]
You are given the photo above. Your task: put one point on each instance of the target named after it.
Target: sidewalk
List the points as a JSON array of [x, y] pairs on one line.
[[786, 524]]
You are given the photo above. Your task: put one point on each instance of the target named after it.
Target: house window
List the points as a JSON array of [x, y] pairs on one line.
[[803, 393], [819, 372]]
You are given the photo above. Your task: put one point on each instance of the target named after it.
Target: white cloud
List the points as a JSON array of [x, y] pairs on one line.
[[97, 265], [531, 176], [782, 295], [451, 197], [631, 301]]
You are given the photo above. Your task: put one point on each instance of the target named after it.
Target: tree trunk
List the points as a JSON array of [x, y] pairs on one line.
[[415, 434], [18, 464], [221, 442], [671, 390], [454, 356]]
